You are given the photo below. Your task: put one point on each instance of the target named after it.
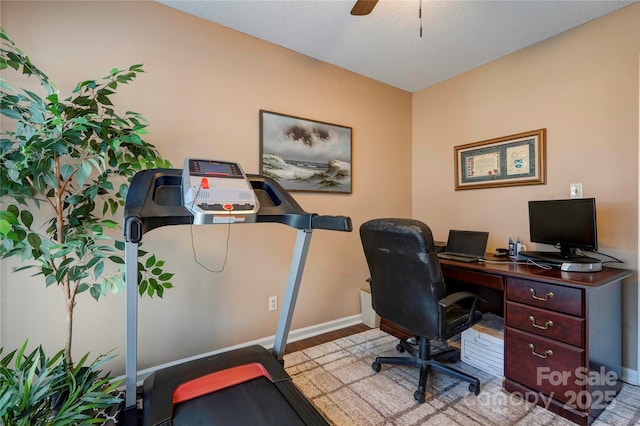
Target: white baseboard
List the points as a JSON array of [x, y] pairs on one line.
[[315, 330], [267, 342], [628, 375]]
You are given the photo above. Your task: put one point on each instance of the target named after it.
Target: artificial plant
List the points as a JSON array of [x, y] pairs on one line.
[[71, 159], [39, 391]]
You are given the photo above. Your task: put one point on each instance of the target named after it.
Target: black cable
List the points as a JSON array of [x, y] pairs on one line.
[[614, 259], [226, 253], [193, 247]]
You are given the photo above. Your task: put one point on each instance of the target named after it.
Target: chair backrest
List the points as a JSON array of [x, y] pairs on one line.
[[406, 279]]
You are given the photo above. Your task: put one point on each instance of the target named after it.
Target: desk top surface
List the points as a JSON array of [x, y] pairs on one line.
[[506, 268]]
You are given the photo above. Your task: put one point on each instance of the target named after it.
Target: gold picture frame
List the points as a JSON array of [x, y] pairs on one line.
[[512, 160]]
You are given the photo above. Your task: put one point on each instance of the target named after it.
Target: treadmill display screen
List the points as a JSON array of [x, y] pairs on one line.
[[219, 169]]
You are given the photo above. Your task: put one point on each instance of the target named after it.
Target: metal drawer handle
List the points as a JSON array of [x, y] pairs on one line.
[[547, 353], [541, 327], [544, 299]]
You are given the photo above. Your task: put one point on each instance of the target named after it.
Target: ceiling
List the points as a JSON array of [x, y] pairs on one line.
[[386, 44]]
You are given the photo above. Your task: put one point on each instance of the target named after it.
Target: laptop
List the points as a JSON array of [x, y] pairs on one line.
[[465, 246]]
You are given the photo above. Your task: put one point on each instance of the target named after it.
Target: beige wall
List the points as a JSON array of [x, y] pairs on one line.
[[203, 88], [201, 94], [582, 86]]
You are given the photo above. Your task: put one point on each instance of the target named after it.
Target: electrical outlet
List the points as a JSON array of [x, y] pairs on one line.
[[575, 190], [273, 303]]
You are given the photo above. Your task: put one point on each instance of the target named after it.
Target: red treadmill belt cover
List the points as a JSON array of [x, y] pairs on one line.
[[219, 380]]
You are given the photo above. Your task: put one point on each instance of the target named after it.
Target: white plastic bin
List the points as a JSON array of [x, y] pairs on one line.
[[369, 316], [483, 345]]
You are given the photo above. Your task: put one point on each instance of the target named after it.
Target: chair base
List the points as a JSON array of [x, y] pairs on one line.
[[425, 361]]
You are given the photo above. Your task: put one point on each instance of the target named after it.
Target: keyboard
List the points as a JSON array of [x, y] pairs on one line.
[[459, 257]]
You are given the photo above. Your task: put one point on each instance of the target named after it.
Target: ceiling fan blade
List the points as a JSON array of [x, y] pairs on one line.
[[363, 7]]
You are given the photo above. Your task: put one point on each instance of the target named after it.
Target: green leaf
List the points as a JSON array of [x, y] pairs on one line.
[[94, 292], [150, 262], [9, 216], [14, 175], [104, 100], [97, 271], [14, 211], [74, 199], [5, 227], [27, 218], [123, 191], [50, 179], [50, 279], [142, 287], [34, 241], [111, 224], [116, 259], [11, 114], [165, 277], [84, 171], [66, 171]]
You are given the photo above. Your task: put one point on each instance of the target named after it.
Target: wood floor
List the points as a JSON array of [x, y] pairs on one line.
[[324, 338]]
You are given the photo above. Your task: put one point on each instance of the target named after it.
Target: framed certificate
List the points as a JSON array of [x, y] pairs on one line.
[[507, 161]]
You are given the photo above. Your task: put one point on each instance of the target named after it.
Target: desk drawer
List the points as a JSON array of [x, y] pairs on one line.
[[544, 365], [549, 324], [472, 277], [568, 300]]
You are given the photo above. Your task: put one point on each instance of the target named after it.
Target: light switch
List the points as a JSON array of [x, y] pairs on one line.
[[575, 190]]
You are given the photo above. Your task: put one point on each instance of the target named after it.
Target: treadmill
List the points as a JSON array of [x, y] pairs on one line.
[[243, 386]]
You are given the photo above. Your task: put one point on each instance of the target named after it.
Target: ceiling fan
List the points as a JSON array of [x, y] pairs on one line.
[[363, 7]]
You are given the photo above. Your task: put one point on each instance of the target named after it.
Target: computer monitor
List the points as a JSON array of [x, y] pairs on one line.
[[565, 224], [569, 225]]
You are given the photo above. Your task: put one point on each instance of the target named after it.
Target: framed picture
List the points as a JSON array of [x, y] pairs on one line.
[[305, 155], [508, 161]]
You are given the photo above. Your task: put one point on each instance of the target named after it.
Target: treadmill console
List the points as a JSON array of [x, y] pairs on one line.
[[217, 192]]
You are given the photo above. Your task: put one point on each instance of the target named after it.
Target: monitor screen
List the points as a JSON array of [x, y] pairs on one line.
[[565, 224]]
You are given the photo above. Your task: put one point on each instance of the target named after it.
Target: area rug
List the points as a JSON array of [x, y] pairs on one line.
[[338, 379]]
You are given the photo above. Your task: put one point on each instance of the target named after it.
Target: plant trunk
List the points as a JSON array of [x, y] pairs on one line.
[[67, 346], [68, 289]]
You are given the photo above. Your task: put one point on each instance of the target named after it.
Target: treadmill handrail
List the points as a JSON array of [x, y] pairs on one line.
[[145, 210]]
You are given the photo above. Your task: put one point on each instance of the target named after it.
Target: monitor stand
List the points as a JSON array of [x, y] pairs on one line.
[[570, 263]]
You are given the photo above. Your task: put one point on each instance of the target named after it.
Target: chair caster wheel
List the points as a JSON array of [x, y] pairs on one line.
[[399, 348], [419, 396], [376, 367], [474, 389]]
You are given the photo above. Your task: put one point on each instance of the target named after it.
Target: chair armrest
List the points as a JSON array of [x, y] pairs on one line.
[[452, 298]]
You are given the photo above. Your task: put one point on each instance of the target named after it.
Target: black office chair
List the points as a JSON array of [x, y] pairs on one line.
[[407, 289]]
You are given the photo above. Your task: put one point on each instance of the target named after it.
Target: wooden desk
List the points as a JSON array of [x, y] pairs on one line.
[[563, 332]]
